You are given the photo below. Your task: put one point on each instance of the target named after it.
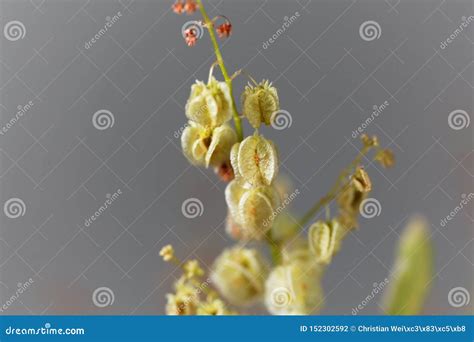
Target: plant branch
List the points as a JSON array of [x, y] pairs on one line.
[[210, 27], [336, 189]]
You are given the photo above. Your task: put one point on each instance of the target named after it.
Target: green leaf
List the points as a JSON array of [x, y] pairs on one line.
[[412, 272]]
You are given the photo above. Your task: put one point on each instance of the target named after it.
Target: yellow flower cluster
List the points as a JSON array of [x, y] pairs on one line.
[[193, 294]]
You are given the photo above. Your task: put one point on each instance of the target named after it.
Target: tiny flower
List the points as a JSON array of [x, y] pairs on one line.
[[192, 269], [361, 180], [294, 289], [224, 30], [259, 103], [324, 239], [257, 160], [190, 7], [239, 274], [209, 105], [191, 36], [167, 252], [213, 307], [385, 158], [178, 7], [203, 146], [369, 141]]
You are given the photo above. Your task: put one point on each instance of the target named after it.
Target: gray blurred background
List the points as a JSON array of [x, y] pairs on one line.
[[63, 168]]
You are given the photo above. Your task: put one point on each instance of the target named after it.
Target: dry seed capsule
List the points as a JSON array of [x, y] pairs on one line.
[[324, 239], [239, 274], [257, 211], [210, 104], [259, 103], [257, 160], [294, 289]]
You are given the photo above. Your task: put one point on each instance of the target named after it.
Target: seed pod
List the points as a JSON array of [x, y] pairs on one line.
[[257, 211], [257, 160], [294, 289], [203, 146], [195, 141], [234, 153], [361, 180], [209, 105], [259, 103], [223, 138], [239, 274], [324, 239], [233, 193]]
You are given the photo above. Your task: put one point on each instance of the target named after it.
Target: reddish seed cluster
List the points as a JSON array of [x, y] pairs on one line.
[[188, 6], [191, 36], [224, 30]]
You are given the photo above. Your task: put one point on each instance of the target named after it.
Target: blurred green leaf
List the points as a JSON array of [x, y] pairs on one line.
[[412, 272]]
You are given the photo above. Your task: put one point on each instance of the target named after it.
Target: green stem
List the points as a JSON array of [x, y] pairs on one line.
[[210, 26], [338, 186], [275, 249]]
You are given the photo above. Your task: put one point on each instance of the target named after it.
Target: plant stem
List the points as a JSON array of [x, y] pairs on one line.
[[210, 27], [338, 186], [274, 249]]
